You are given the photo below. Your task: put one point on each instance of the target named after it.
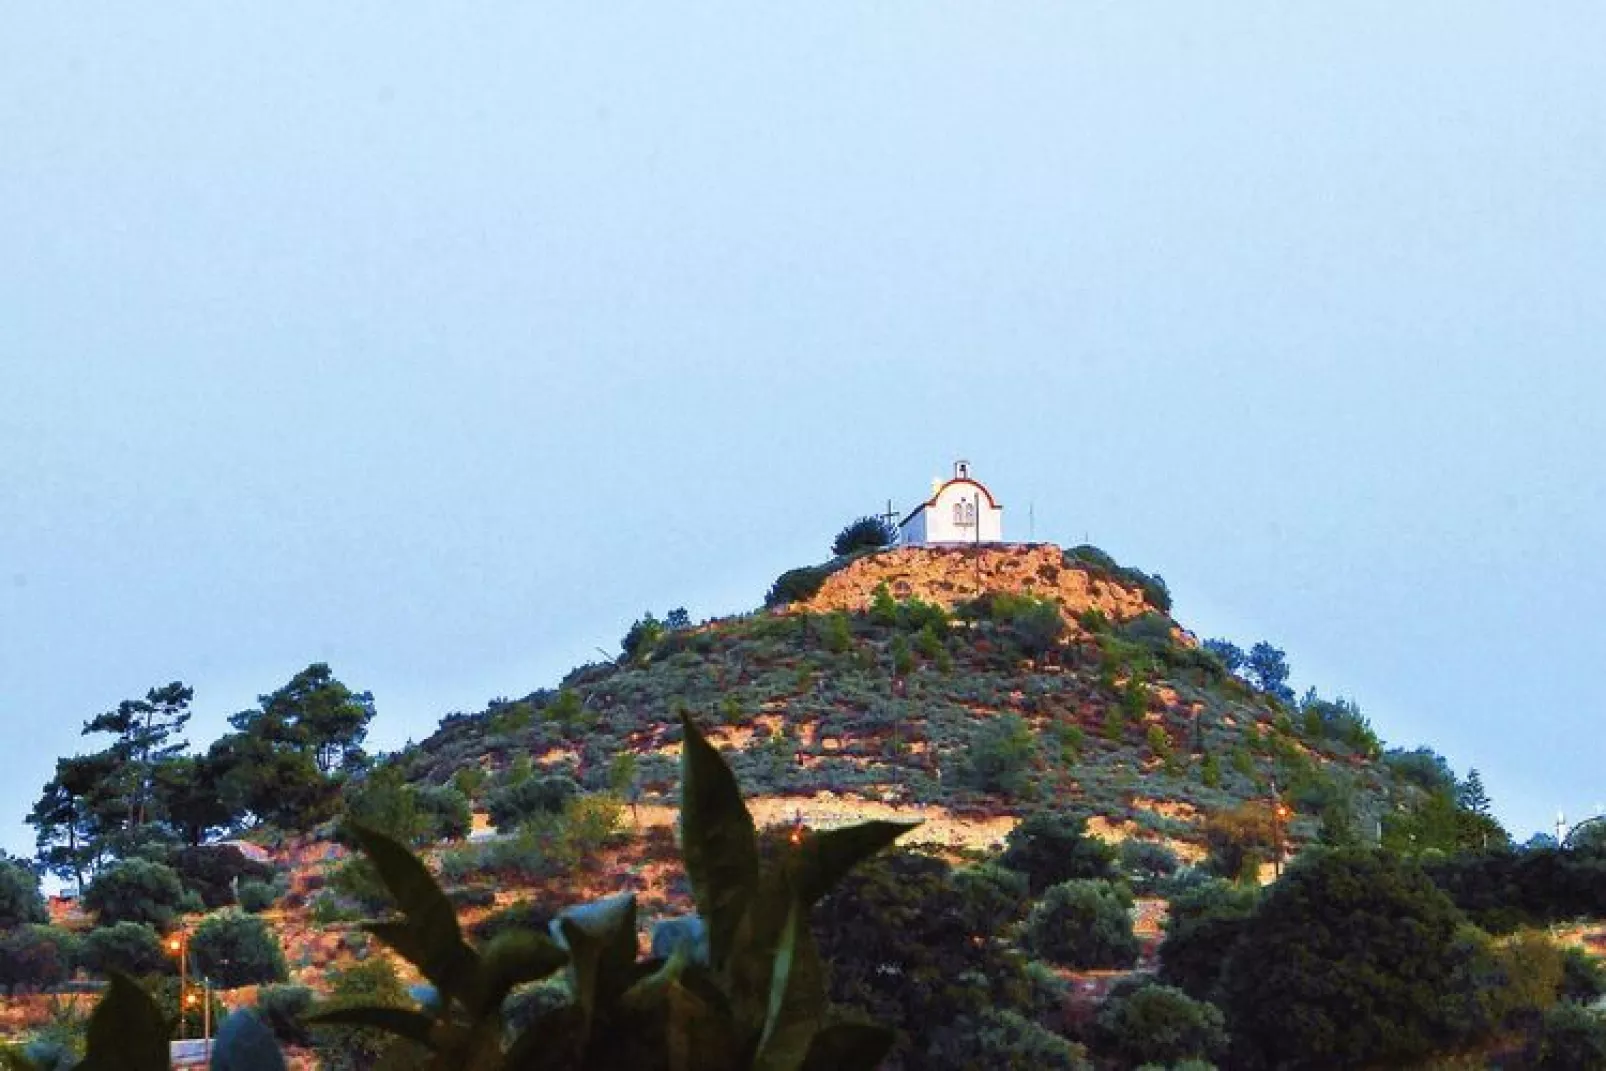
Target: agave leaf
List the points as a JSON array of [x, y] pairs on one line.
[[718, 841], [127, 1030], [824, 858], [435, 945], [512, 959], [244, 1043], [402, 1022], [797, 999], [849, 1046], [609, 927]]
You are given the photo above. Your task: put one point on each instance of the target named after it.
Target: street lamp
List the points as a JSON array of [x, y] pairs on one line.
[[179, 945]]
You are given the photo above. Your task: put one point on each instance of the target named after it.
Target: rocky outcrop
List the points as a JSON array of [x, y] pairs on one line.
[[951, 575]]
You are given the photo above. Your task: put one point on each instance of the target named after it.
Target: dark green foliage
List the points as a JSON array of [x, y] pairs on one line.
[[1083, 924], [993, 897], [257, 896], [1345, 963], [130, 947], [281, 1008], [1267, 668], [1204, 923], [20, 899], [642, 637], [370, 984], [1147, 863], [1471, 795], [525, 915], [540, 794], [1001, 756], [1229, 654], [999, 1039], [135, 890], [796, 585], [866, 533], [34, 957], [1422, 767], [1051, 847], [214, 870], [235, 949], [1157, 1024], [1583, 977], [1571, 1038], [902, 946]]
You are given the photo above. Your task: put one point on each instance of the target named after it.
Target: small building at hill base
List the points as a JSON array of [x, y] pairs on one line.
[[959, 511]]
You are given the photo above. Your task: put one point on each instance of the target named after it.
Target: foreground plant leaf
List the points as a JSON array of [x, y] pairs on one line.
[[717, 839]]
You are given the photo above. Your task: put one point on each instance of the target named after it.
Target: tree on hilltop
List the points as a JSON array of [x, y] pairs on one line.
[[866, 533]]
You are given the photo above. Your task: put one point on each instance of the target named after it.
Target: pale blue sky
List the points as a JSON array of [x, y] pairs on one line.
[[439, 344]]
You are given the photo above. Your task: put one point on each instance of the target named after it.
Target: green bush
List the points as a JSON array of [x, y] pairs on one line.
[[1001, 756], [20, 899], [1154, 589], [1001, 1040], [281, 1008], [1571, 1038], [213, 871], [993, 897], [796, 585], [34, 957], [1203, 924], [1357, 948], [235, 949], [1051, 847], [130, 947], [135, 890], [1083, 924], [523, 800], [866, 533], [1147, 863], [257, 896], [1156, 1024], [446, 809]]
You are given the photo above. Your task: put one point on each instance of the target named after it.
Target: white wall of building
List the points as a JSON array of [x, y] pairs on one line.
[[962, 512]]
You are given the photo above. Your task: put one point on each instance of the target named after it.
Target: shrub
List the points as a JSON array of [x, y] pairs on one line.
[[20, 900], [1160, 1025], [1571, 1038], [866, 533], [1240, 840], [236, 949], [1583, 979], [34, 957], [1203, 924], [257, 896], [213, 871], [1154, 589], [130, 947], [993, 897], [1001, 755], [796, 585], [374, 982], [281, 1008], [1083, 924], [518, 802], [524, 915], [1356, 947], [1051, 847], [1002, 1040], [447, 813], [135, 890], [1147, 863]]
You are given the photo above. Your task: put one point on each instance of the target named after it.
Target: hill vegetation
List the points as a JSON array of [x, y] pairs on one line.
[[1097, 792]]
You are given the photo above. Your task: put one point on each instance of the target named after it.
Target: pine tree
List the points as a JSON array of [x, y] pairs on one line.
[[1471, 795]]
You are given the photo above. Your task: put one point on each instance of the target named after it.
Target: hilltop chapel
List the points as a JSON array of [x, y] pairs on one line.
[[959, 511]]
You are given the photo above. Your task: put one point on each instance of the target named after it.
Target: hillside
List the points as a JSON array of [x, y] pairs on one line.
[[962, 685]]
